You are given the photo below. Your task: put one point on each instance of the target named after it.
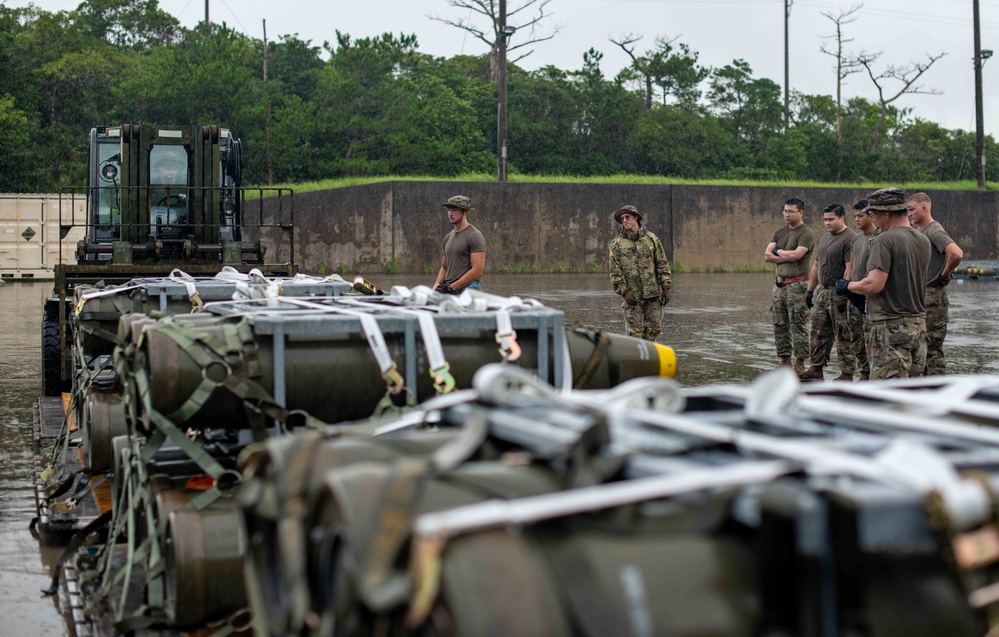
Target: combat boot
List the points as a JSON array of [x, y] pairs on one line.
[[812, 373], [845, 376], [799, 366], [864, 376], [785, 361]]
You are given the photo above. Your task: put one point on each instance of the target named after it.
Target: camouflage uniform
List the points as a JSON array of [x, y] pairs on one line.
[[830, 324], [937, 303], [898, 311], [788, 309], [858, 322], [854, 347], [638, 264], [790, 316], [898, 348], [937, 309]]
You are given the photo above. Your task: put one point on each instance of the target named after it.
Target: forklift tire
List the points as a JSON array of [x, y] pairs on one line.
[[51, 353]]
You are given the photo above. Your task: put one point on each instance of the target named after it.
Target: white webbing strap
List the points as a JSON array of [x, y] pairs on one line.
[[372, 333], [96, 294], [440, 370], [179, 276]]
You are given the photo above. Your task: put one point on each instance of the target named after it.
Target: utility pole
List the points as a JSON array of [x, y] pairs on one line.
[[206, 13], [501, 90], [267, 122], [787, 66], [979, 117]]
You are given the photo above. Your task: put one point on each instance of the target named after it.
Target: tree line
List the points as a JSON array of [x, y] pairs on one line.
[[370, 106]]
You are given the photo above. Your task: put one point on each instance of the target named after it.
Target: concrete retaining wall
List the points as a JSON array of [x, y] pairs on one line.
[[561, 227], [553, 227]]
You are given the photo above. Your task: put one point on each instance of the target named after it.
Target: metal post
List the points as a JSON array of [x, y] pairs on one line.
[[979, 117], [206, 13], [501, 81], [787, 66]]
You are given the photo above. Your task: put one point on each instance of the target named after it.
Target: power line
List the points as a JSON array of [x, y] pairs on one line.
[[936, 19], [920, 17]]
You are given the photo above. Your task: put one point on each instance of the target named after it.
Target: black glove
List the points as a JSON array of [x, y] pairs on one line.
[[858, 300], [444, 288], [808, 298], [774, 251]]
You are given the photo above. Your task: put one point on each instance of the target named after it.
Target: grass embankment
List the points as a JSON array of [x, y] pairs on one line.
[[343, 182]]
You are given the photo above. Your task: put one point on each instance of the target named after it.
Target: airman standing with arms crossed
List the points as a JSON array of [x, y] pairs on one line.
[[464, 250], [790, 250], [640, 274], [895, 288], [829, 310], [945, 256], [856, 269]]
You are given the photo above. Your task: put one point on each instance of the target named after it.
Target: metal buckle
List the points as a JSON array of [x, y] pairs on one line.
[[443, 380], [509, 347], [394, 380]]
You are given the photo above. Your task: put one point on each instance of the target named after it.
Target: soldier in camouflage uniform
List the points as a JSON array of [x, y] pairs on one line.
[[856, 269], [829, 310], [894, 289], [946, 256], [790, 250], [640, 274]]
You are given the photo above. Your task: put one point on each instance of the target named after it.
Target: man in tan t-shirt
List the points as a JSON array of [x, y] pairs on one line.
[[944, 257], [464, 250], [790, 250], [895, 287]]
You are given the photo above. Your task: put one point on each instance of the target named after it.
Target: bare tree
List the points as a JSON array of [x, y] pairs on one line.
[[907, 75], [844, 67], [638, 62], [490, 35], [672, 69]]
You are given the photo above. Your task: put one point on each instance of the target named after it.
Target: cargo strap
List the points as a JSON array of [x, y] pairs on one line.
[[239, 622], [906, 463], [972, 555], [596, 357], [185, 279], [381, 586], [506, 337], [217, 360], [432, 531], [440, 369], [291, 521], [56, 468], [96, 294], [376, 341], [84, 486], [72, 548]]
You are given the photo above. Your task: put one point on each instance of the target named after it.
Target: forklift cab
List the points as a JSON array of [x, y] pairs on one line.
[[160, 192]]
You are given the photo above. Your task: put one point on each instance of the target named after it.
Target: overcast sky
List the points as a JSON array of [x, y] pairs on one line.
[[720, 30]]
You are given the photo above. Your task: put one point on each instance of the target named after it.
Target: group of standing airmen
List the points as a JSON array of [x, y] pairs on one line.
[[879, 294], [639, 270]]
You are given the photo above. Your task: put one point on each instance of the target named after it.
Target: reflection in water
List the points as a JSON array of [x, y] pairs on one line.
[[719, 325], [23, 568]]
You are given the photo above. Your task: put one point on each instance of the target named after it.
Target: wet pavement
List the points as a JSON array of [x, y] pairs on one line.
[[24, 565], [719, 325]]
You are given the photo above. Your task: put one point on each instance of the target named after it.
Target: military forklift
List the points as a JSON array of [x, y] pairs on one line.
[[158, 199]]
